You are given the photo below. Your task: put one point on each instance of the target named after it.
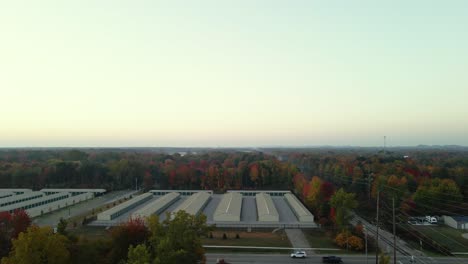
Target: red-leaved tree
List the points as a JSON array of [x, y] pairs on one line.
[[20, 221]]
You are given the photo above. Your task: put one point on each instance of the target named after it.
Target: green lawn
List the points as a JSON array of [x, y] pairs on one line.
[[260, 239], [446, 236], [90, 232], [247, 250]]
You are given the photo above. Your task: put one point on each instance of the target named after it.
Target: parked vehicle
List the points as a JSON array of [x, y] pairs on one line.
[[298, 254], [331, 259], [431, 219]]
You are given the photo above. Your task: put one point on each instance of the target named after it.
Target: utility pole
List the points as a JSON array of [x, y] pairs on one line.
[[377, 233], [369, 182], [394, 231], [136, 184], [367, 259]]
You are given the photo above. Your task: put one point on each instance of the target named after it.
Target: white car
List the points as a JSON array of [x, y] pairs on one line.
[[298, 254]]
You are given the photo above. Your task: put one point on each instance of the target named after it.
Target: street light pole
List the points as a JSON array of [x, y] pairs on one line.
[[394, 232], [377, 232]]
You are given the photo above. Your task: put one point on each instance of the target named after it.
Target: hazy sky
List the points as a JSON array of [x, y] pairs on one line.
[[233, 73]]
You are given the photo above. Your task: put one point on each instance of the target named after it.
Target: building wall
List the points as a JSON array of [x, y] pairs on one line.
[[57, 205], [449, 221]]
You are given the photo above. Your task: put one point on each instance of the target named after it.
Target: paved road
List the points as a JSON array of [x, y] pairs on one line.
[[298, 239], [53, 218], [284, 210], [386, 238], [243, 258], [403, 249], [249, 210]]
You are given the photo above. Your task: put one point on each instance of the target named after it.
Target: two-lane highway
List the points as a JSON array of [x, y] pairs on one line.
[[246, 258]]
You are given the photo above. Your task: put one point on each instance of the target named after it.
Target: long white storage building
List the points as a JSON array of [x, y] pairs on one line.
[[194, 204], [157, 206], [229, 209], [59, 204], [182, 192], [302, 214], [20, 198], [74, 192], [35, 202], [124, 207], [16, 191], [266, 210], [4, 194]]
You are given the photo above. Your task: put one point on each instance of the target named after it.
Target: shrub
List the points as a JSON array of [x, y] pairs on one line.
[[355, 243], [341, 239], [346, 240]]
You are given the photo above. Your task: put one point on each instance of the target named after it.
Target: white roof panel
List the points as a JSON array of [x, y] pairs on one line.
[[155, 207], [194, 203], [266, 208], [229, 209]]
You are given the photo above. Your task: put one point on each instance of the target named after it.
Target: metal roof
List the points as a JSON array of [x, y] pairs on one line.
[[157, 206], [109, 214], [194, 203], [298, 208], [461, 219], [6, 194], [20, 198], [229, 209], [266, 209], [16, 190], [35, 202], [56, 205], [182, 192], [75, 190]]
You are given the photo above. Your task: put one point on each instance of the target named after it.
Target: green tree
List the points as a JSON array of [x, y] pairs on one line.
[[138, 255], [433, 195], [178, 240], [62, 226], [343, 203], [39, 245], [312, 198], [132, 232], [384, 259]]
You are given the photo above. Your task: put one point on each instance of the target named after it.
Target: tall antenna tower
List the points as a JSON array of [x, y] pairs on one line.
[[384, 143]]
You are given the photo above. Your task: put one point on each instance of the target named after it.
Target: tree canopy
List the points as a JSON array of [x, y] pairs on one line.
[[39, 245]]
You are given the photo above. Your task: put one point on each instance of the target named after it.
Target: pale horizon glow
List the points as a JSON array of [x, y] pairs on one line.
[[246, 73]]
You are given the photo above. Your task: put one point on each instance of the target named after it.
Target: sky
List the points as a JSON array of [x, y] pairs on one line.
[[233, 73]]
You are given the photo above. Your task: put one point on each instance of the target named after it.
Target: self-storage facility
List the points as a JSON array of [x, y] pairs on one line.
[[229, 209], [266, 209], [302, 214], [194, 204], [157, 206], [124, 207]]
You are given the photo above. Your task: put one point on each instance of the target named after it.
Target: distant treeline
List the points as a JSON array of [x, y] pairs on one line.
[[122, 169], [422, 181]]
